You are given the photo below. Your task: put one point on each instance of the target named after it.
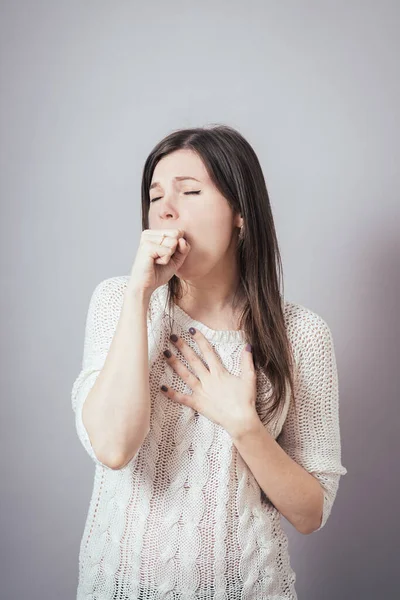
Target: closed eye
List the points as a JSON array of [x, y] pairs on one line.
[[194, 192]]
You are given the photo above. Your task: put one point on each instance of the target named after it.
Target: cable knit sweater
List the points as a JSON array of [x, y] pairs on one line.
[[185, 518]]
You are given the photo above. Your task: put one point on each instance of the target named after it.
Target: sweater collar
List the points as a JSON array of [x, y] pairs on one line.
[[186, 321]]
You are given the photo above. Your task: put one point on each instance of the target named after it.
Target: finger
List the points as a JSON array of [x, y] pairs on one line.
[[248, 369], [178, 397], [192, 358], [161, 253], [168, 242], [183, 372], [173, 234], [207, 350]]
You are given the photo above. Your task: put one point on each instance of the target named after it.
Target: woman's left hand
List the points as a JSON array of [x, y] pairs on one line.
[[225, 399]]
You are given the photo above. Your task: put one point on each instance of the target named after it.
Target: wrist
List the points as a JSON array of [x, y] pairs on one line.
[[249, 425], [138, 293]]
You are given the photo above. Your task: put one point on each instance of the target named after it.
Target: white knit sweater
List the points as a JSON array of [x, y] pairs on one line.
[[185, 518]]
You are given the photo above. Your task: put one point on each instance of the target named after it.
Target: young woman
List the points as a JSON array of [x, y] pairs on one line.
[[208, 403]]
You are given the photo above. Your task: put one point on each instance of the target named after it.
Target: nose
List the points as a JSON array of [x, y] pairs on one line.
[[167, 209]]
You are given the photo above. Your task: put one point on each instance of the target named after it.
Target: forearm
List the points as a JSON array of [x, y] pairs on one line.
[[116, 412], [292, 490]]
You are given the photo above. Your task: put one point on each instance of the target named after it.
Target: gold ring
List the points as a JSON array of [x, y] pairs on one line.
[[162, 239]]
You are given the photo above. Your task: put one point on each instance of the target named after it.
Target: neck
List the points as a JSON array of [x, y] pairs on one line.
[[212, 294]]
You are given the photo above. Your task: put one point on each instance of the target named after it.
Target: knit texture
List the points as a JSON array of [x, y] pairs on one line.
[[185, 518]]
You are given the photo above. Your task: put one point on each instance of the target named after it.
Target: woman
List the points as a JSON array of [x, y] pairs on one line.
[[208, 403]]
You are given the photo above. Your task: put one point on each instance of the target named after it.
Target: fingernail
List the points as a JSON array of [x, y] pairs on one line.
[[164, 388], [192, 330], [249, 348], [167, 353], [173, 337]]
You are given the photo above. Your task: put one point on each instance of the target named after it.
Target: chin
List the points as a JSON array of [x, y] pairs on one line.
[[189, 270]]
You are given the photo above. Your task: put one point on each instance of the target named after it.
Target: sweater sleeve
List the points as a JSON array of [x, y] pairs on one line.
[[311, 433], [101, 321]]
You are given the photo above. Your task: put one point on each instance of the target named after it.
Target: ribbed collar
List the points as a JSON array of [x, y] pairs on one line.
[[186, 321]]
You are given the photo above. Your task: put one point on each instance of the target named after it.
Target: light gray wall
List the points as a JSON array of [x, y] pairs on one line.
[[87, 89]]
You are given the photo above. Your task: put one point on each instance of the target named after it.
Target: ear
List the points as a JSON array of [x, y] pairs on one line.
[[238, 221]]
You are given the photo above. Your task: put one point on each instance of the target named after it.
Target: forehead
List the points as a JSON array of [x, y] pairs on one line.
[[179, 163]]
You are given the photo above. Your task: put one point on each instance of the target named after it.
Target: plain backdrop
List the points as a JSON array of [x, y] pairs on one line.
[[87, 89]]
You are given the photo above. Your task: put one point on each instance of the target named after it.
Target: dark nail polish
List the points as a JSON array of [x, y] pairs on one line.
[[164, 388], [167, 353], [192, 330], [173, 337]]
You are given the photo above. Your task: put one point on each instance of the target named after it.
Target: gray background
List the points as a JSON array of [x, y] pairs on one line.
[[87, 89]]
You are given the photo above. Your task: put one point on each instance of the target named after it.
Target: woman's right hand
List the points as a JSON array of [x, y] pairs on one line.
[[155, 264]]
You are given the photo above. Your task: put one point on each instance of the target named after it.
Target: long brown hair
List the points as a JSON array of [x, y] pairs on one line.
[[233, 166]]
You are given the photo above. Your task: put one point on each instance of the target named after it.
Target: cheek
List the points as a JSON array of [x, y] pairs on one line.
[[211, 220], [220, 231], [211, 242]]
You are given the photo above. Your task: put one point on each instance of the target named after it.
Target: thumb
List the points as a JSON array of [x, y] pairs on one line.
[[248, 370], [181, 253], [184, 246]]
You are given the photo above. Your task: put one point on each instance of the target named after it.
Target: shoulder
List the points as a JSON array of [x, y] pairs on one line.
[[110, 291], [307, 330], [108, 296]]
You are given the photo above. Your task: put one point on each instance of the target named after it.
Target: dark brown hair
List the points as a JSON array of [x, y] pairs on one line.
[[234, 169]]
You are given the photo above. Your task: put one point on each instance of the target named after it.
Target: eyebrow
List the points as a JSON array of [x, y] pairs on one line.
[[181, 178]]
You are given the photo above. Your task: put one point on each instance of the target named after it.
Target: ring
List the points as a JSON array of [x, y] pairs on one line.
[[162, 239]]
